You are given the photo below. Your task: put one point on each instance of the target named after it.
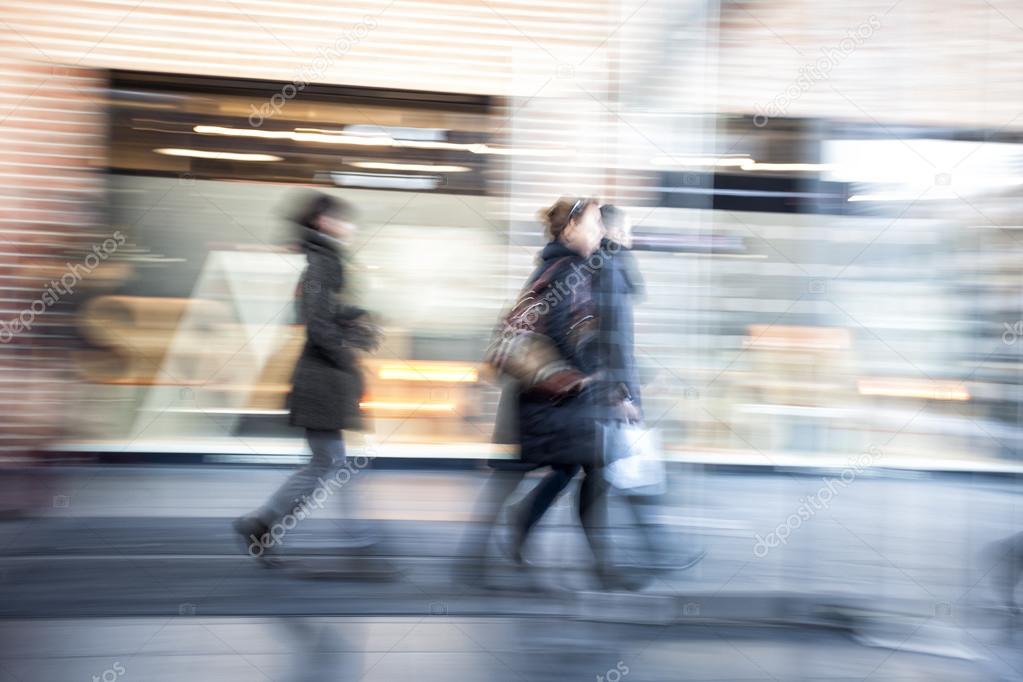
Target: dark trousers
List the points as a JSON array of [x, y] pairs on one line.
[[328, 454], [593, 510], [499, 486], [592, 507]]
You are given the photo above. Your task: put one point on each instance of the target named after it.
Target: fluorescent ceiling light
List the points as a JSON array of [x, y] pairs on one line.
[[911, 388], [370, 141], [926, 195], [741, 162], [811, 167], [386, 181], [372, 130], [397, 132], [426, 167], [736, 161], [227, 156], [387, 406]]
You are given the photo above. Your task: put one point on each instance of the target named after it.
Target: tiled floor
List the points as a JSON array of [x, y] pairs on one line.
[[436, 649], [135, 575]]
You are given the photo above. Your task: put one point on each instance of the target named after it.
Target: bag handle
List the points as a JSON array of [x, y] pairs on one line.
[[545, 278], [535, 288]]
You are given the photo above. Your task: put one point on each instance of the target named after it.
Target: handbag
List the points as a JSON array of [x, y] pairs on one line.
[[522, 351], [632, 456], [506, 422]]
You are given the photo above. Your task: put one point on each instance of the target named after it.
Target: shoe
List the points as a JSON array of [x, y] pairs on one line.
[[511, 543], [252, 531], [1005, 568], [614, 579], [13, 514]]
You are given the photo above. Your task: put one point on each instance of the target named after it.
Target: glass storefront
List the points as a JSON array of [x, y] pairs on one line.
[[761, 335], [194, 331]]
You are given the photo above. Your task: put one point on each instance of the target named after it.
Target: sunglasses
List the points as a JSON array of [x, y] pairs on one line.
[[580, 204]]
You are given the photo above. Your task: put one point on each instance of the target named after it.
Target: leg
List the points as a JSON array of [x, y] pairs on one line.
[[1016, 570], [498, 488], [328, 450], [641, 508], [593, 513], [1006, 557], [544, 494], [539, 501], [257, 529]]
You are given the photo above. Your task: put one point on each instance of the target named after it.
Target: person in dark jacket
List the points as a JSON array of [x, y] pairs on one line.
[[614, 389], [327, 383], [619, 287], [562, 431], [553, 422]]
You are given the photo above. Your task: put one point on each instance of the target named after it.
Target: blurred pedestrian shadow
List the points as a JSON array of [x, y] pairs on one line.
[[321, 651]]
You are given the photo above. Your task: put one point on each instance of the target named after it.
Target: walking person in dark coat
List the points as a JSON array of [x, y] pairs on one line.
[[555, 413], [614, 391], [327, 383], [620, 288]]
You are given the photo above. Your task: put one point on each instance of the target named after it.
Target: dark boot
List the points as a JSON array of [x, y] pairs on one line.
[[254, 533]]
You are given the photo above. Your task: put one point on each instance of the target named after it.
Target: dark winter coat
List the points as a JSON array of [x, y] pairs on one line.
[[617, 284], [327, 383], [564, 431]]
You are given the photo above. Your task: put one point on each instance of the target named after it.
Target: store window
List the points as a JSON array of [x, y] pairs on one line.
[[194, 327]]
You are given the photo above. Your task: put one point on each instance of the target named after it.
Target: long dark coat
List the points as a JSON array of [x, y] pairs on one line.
[[617, 285], [327, 383], [552, 432]]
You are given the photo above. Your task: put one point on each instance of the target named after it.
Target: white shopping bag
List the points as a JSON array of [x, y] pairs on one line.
[[634, 454]]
